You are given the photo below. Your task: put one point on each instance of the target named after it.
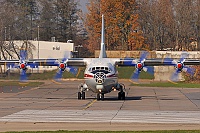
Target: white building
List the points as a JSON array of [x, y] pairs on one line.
[[45, 50]]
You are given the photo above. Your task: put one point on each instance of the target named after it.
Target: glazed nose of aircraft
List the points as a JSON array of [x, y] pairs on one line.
[[100, 77]]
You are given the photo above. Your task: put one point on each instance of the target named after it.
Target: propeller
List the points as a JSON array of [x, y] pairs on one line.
[[22, 65], [63, 66], [139, 65], [179, 65]]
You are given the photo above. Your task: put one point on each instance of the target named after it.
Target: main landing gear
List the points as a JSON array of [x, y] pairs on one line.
[[121, 94], [81, 95], [81, 91]]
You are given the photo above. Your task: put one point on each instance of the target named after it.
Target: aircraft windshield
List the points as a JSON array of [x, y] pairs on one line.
[[93, 70]]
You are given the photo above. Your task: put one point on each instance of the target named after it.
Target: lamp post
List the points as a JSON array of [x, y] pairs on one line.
[[38, 38], [5, 33]]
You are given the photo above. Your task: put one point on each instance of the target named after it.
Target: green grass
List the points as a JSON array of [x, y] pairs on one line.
[[174, 131], [126, 73], [17, 83], [169, 84]]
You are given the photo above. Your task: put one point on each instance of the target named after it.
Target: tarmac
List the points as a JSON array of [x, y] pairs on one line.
[[54, 106]]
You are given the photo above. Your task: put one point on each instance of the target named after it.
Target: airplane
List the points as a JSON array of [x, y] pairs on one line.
[[101, 75]]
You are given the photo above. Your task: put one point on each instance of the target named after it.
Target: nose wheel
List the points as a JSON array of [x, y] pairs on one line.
[[100, 96]]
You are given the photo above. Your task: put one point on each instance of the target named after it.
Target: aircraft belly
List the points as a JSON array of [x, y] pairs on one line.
[[107, 85]]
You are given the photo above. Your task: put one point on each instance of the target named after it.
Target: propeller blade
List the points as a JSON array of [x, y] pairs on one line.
[[67, 55], [189, 70], [143, 56], [23, 55], [183, 56], [58, 75], [174, 76], [135, 75], [149, 69], [73, 70], [23, 76]]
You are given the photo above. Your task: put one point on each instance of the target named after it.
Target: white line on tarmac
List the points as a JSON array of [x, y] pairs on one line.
[[124, 116]]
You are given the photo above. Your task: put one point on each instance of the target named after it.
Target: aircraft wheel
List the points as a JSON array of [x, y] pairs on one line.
[[98, 97], [123, 95], [102, 97], [119, 96], [83, 95], [79, 95]]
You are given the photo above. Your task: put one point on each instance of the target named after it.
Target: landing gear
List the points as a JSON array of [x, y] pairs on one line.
[[100, 96], [121, 94], [81, 91], [81, 95]]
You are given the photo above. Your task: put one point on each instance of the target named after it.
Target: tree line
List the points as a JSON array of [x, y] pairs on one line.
[[140, 24], [130, 24], [43, 20]]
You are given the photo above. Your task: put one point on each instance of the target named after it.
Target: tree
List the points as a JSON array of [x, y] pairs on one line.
[[121, 22]]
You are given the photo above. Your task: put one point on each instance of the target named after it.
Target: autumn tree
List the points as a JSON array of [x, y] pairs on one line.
[[121, 25]]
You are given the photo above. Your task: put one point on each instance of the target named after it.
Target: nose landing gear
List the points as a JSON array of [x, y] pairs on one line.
[[100, 96]]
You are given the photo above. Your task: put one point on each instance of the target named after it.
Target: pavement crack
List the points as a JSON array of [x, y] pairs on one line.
[[156, 98], [119, 108], [189, 99]]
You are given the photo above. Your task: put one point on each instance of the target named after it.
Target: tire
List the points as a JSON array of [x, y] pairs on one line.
[[119, 96], [98, 97], [123, 95], [83, 95], [79, 95], [102, 97]]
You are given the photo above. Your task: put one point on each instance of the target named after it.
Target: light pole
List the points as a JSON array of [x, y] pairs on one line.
[[5, 33], [38, 38]]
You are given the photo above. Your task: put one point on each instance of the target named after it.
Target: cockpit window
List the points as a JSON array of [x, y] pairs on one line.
[[106, 70], [93, 69]]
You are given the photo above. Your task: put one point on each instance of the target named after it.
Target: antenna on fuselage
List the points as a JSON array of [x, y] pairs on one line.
[[103, 49]]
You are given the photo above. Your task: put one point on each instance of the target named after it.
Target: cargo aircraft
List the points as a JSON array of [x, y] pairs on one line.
[[101, 75]]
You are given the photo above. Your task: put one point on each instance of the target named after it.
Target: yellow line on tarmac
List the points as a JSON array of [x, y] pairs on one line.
[[79, 69], [90, 104], [172, 82], [55, 82], [133, 82]]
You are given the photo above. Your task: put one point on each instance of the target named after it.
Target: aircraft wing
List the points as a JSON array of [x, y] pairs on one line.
[[45, 62], [155, 62]]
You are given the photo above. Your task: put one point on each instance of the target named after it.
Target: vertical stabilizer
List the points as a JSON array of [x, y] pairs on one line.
[[103, 49]]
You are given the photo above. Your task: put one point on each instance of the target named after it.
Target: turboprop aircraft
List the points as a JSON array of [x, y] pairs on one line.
[[101, 74]]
